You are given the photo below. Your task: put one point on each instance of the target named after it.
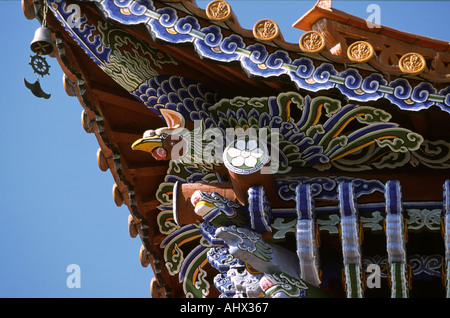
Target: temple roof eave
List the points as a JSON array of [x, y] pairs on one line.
[[103, 100], [316, 13], [293, 51]]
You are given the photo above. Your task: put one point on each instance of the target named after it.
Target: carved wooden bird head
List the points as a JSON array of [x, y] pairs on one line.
[[167, 142]]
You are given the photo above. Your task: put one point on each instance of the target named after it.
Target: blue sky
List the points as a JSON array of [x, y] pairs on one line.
[[56, 205]]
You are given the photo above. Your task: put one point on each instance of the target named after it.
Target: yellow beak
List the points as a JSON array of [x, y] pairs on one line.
[[203, 207], [147, 144]]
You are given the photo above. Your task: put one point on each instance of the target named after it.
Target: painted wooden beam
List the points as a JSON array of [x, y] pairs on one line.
[[351, 241], [396, 241], [307, 245]]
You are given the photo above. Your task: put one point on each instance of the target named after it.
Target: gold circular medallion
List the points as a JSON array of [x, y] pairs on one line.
[[265, 30], [360, 51], [218, 10], [412, 63], [312, 42]]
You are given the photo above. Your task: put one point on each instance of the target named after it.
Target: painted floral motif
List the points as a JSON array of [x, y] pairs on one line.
[[245, 156]]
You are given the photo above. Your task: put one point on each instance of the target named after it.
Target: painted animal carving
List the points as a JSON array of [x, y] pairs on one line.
[[220, 211], [306, 131], [276, 271], [264, 257], [165, 143], [182, 142]]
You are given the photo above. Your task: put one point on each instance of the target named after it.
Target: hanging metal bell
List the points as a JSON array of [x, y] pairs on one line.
[[42, 43]]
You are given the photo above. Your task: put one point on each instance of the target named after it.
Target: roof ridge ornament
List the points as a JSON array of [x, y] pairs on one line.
[[412, 63], [266, 30], [218, 10], [360, 51], [312, 42], [324, 4]]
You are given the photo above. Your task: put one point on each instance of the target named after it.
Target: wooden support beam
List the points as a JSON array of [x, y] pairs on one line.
[[396, 240], [147, 171], [106, 94], [351, 242], [306, 235], [124, 136]]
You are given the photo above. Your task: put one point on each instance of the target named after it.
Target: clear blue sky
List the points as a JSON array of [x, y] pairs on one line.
[[56, 205]]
